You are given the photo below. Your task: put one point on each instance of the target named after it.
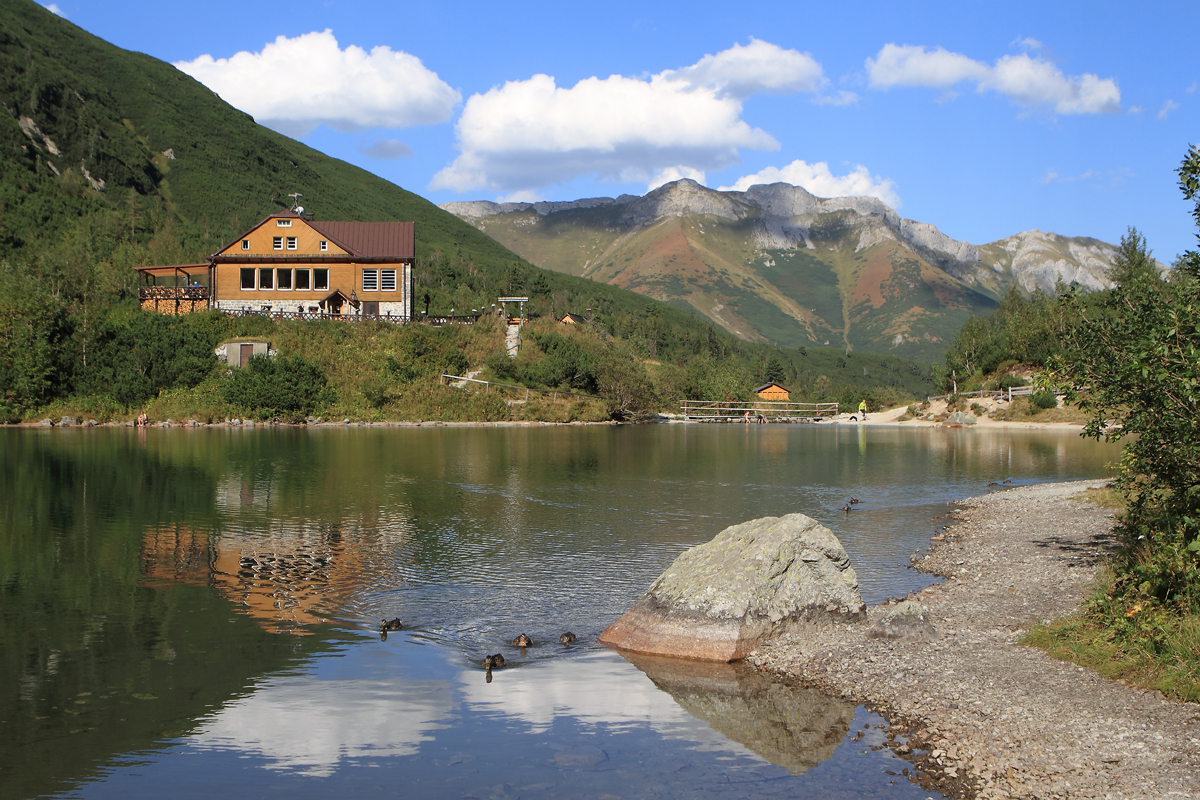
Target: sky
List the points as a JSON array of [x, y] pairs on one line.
[[982, 117]]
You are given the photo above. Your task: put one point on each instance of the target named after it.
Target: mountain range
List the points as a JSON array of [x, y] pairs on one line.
[[777, 264]]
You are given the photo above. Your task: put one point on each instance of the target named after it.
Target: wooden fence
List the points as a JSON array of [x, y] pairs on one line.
[[758, 410], [992, 394]]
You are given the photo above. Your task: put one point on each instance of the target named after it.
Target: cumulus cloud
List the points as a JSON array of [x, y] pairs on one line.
[[533, 133], [1028, 81], [757, 68], [54, 9], [294, 85], [671, 174], [842, 98], [1167, 108], [819, 180], [386, 148]]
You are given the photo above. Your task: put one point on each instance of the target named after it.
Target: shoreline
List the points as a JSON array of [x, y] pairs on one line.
[[985, 716]]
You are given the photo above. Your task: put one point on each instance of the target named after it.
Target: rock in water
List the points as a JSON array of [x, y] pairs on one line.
[[907, 621], [752, 581]]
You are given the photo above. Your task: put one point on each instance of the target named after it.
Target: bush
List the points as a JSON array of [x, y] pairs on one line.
[[1045, 399], [978, 410], [291, 388]]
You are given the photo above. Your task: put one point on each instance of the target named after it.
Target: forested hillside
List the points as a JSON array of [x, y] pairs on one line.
[[111, 160]]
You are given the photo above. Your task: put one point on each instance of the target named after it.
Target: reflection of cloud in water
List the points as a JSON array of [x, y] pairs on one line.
[[596, 689], [310, 726]]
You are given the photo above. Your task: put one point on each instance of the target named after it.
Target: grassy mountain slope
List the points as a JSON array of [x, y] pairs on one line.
[[882, 299], [777, 264]]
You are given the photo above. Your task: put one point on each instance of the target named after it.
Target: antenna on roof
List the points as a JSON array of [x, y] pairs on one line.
[[296, 202]]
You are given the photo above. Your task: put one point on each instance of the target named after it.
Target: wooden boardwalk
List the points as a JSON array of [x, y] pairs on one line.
[[757, 410]]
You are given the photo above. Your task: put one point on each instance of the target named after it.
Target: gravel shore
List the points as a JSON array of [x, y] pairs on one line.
[[984, 716]]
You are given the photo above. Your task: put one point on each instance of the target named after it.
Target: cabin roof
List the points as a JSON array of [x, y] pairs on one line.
[[373, 240], [766, 386]]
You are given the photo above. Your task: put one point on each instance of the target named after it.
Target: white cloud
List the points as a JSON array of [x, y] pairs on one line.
[[54, 9], [1167, 108], [818, 180], [386, 148], [1030, 82], [1192, 89], [294, 85], [674, 174], [1109, 179], [757, 68], [1135, 109], [842, 98], [532, 133]]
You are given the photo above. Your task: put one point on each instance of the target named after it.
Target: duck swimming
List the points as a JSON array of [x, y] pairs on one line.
[[568, 638], [391, 624], [522, 641], [493, 662]]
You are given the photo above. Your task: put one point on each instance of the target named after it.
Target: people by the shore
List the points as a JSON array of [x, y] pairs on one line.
[[143, 420], [862, 409]]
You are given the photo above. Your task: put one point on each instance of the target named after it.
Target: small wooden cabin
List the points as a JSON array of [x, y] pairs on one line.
[[772, 391], [573, 319]]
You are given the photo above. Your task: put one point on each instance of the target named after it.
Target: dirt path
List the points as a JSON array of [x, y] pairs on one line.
[[1000, 719]]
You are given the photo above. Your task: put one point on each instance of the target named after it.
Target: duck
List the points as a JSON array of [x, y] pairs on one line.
[[568, 638], [846, 508], [391, 624], [1006, 480], [493, 662], [853, 501], [993, 483], [522, 641]]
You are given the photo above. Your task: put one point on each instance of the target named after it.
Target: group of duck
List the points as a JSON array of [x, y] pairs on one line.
[[491, 662], [853, 502]]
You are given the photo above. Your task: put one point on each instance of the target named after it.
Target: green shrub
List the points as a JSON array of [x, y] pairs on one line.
[[290, 388], [1045, 399]]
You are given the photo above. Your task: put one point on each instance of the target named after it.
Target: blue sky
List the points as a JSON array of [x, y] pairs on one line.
[[983, 118]]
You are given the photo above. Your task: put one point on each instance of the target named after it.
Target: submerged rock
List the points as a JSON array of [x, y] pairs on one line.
[[909, 621], [718, 600]]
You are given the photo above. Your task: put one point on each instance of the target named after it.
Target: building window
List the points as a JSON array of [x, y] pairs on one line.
[[370, 280], [324, 245], [277, 242], [387, 280], [283, 279], [283, 223], [291, 243], [248, 277], [321, 280], [245, 244], [303, 279], [266, 278]]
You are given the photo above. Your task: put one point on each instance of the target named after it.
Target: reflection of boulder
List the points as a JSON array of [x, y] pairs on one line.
[[718, 600], [794, 727]]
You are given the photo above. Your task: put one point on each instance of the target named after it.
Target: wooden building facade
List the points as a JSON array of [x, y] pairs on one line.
[[290, 265]]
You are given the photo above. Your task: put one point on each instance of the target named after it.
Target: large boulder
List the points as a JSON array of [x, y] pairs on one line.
[[755, 580]]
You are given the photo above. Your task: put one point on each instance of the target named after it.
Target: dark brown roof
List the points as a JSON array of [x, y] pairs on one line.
[[766, 386], [381, 240], [371, 239]]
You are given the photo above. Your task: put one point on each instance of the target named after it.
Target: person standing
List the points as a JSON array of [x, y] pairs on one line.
[[862, 409]]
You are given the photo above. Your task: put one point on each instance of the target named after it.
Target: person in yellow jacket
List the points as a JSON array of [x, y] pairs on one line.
[[862, 409]]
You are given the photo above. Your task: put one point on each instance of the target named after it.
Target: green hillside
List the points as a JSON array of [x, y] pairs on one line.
[[111, 160]]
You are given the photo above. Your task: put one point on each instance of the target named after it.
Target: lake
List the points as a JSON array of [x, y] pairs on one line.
[[196, 611]]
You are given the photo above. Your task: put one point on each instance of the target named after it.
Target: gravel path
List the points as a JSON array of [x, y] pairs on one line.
[[994, 718]]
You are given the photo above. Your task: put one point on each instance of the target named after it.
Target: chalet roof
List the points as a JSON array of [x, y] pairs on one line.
[[768, 385], [365, 240], [573, 319], [370, 239]]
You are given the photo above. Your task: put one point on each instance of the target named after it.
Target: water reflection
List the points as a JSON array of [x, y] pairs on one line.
[[794, 727], [147, 577], [310, 726]]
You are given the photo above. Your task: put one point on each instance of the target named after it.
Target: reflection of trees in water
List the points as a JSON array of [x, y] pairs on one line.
[[791, 726], [111, 653]]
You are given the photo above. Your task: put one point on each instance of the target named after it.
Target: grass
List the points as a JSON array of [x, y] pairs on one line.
[[1173, 667], [1022, 409]]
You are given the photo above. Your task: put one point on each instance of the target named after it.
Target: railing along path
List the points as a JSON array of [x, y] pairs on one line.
[[766, 410]]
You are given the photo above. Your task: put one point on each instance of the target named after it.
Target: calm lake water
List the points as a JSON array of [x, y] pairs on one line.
[[193, 612]]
